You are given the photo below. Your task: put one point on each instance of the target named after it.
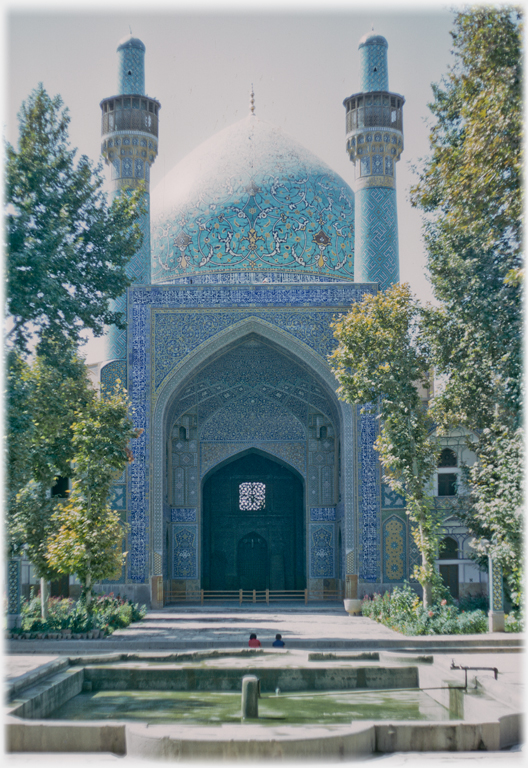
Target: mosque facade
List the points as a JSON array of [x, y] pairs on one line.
[[250, 474]]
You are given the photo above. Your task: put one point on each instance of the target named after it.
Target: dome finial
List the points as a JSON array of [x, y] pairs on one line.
[[130, 28], [252, 101]]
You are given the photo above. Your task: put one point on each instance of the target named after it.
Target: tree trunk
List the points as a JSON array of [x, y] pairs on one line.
[[44, 597], [427, 594], [88, 591]]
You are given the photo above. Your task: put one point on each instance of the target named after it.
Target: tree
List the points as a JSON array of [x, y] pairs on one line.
[[42, 401], [380, 363], [495, 503], [66, 248], [88, 533], [470, 189]]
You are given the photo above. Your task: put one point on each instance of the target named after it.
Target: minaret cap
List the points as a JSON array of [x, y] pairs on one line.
[[372, 38], [131, 42]]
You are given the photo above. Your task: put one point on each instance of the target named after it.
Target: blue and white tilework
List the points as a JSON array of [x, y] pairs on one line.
[[131, 68], [322, 551], [185, 552], [369, 499], [320, 514], [374, 73], [377, 252], [183, 515]]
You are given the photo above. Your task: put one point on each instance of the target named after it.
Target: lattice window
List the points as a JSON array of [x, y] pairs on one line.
[[252, 496]]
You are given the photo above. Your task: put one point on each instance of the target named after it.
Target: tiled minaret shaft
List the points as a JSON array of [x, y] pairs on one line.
[[130, 146], [374, 140]]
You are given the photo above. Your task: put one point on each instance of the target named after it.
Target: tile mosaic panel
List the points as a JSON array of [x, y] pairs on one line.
[[373, 69], [391, 499], [112, 373], [369, 499], [376, 258], [394, 550], [287, 276], [183, 514], [117, 498], [257, 201], [179, 332], [252, 418], [185, 552], [322, 551], [319, 514]]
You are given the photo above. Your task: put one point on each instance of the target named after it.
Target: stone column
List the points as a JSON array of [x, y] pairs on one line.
[[351, 602], [496, 597], [156, 592], [14, 588], [250, 692]]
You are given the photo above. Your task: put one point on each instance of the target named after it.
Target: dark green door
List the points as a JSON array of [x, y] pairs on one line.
[[253, 526], [252, 562]]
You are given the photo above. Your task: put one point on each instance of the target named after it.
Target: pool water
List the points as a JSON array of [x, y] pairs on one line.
[[215, 708]]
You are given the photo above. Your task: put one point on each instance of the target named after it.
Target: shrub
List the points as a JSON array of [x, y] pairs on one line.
[[514, 621], [402, 611], [107, 613]]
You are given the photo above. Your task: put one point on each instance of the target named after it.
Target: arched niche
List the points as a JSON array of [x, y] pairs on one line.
[[174, 390]]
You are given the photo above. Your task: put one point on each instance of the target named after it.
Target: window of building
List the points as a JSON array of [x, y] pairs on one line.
[[448, 549], [252, 496], [447, 458], [447, 483]]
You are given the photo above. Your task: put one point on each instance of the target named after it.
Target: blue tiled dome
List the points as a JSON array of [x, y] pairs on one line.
[[251, 200]]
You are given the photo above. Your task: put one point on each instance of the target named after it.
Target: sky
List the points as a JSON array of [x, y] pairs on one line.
[[202, 60]]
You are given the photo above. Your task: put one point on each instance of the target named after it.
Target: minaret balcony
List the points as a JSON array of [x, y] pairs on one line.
[[374, 124], [130, 113]]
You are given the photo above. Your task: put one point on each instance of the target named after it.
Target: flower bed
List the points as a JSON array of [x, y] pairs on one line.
[[402, 610], [69, 618]]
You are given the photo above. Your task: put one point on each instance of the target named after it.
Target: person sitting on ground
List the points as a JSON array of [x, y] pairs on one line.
[[253, 642], [279, 642]]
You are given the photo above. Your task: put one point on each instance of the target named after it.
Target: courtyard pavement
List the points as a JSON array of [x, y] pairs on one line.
[[315, 627]]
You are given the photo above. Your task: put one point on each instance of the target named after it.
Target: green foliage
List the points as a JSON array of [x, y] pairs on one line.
[[42, 401], [471, 190], [88, 534], [66, 249], [380, 361], [495, 505], [401, 610], [107, 613]]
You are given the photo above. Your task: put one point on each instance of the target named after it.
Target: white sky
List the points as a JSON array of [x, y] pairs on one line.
[[201, 60]]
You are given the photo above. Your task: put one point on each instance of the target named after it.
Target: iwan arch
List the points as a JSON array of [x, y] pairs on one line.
[[249, 472], [251, 391]]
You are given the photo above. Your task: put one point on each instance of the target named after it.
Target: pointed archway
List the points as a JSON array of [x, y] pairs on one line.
[[253, 533]]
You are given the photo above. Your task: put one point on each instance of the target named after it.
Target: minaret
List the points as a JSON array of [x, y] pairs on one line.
[[374, 140], [130, 146]]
